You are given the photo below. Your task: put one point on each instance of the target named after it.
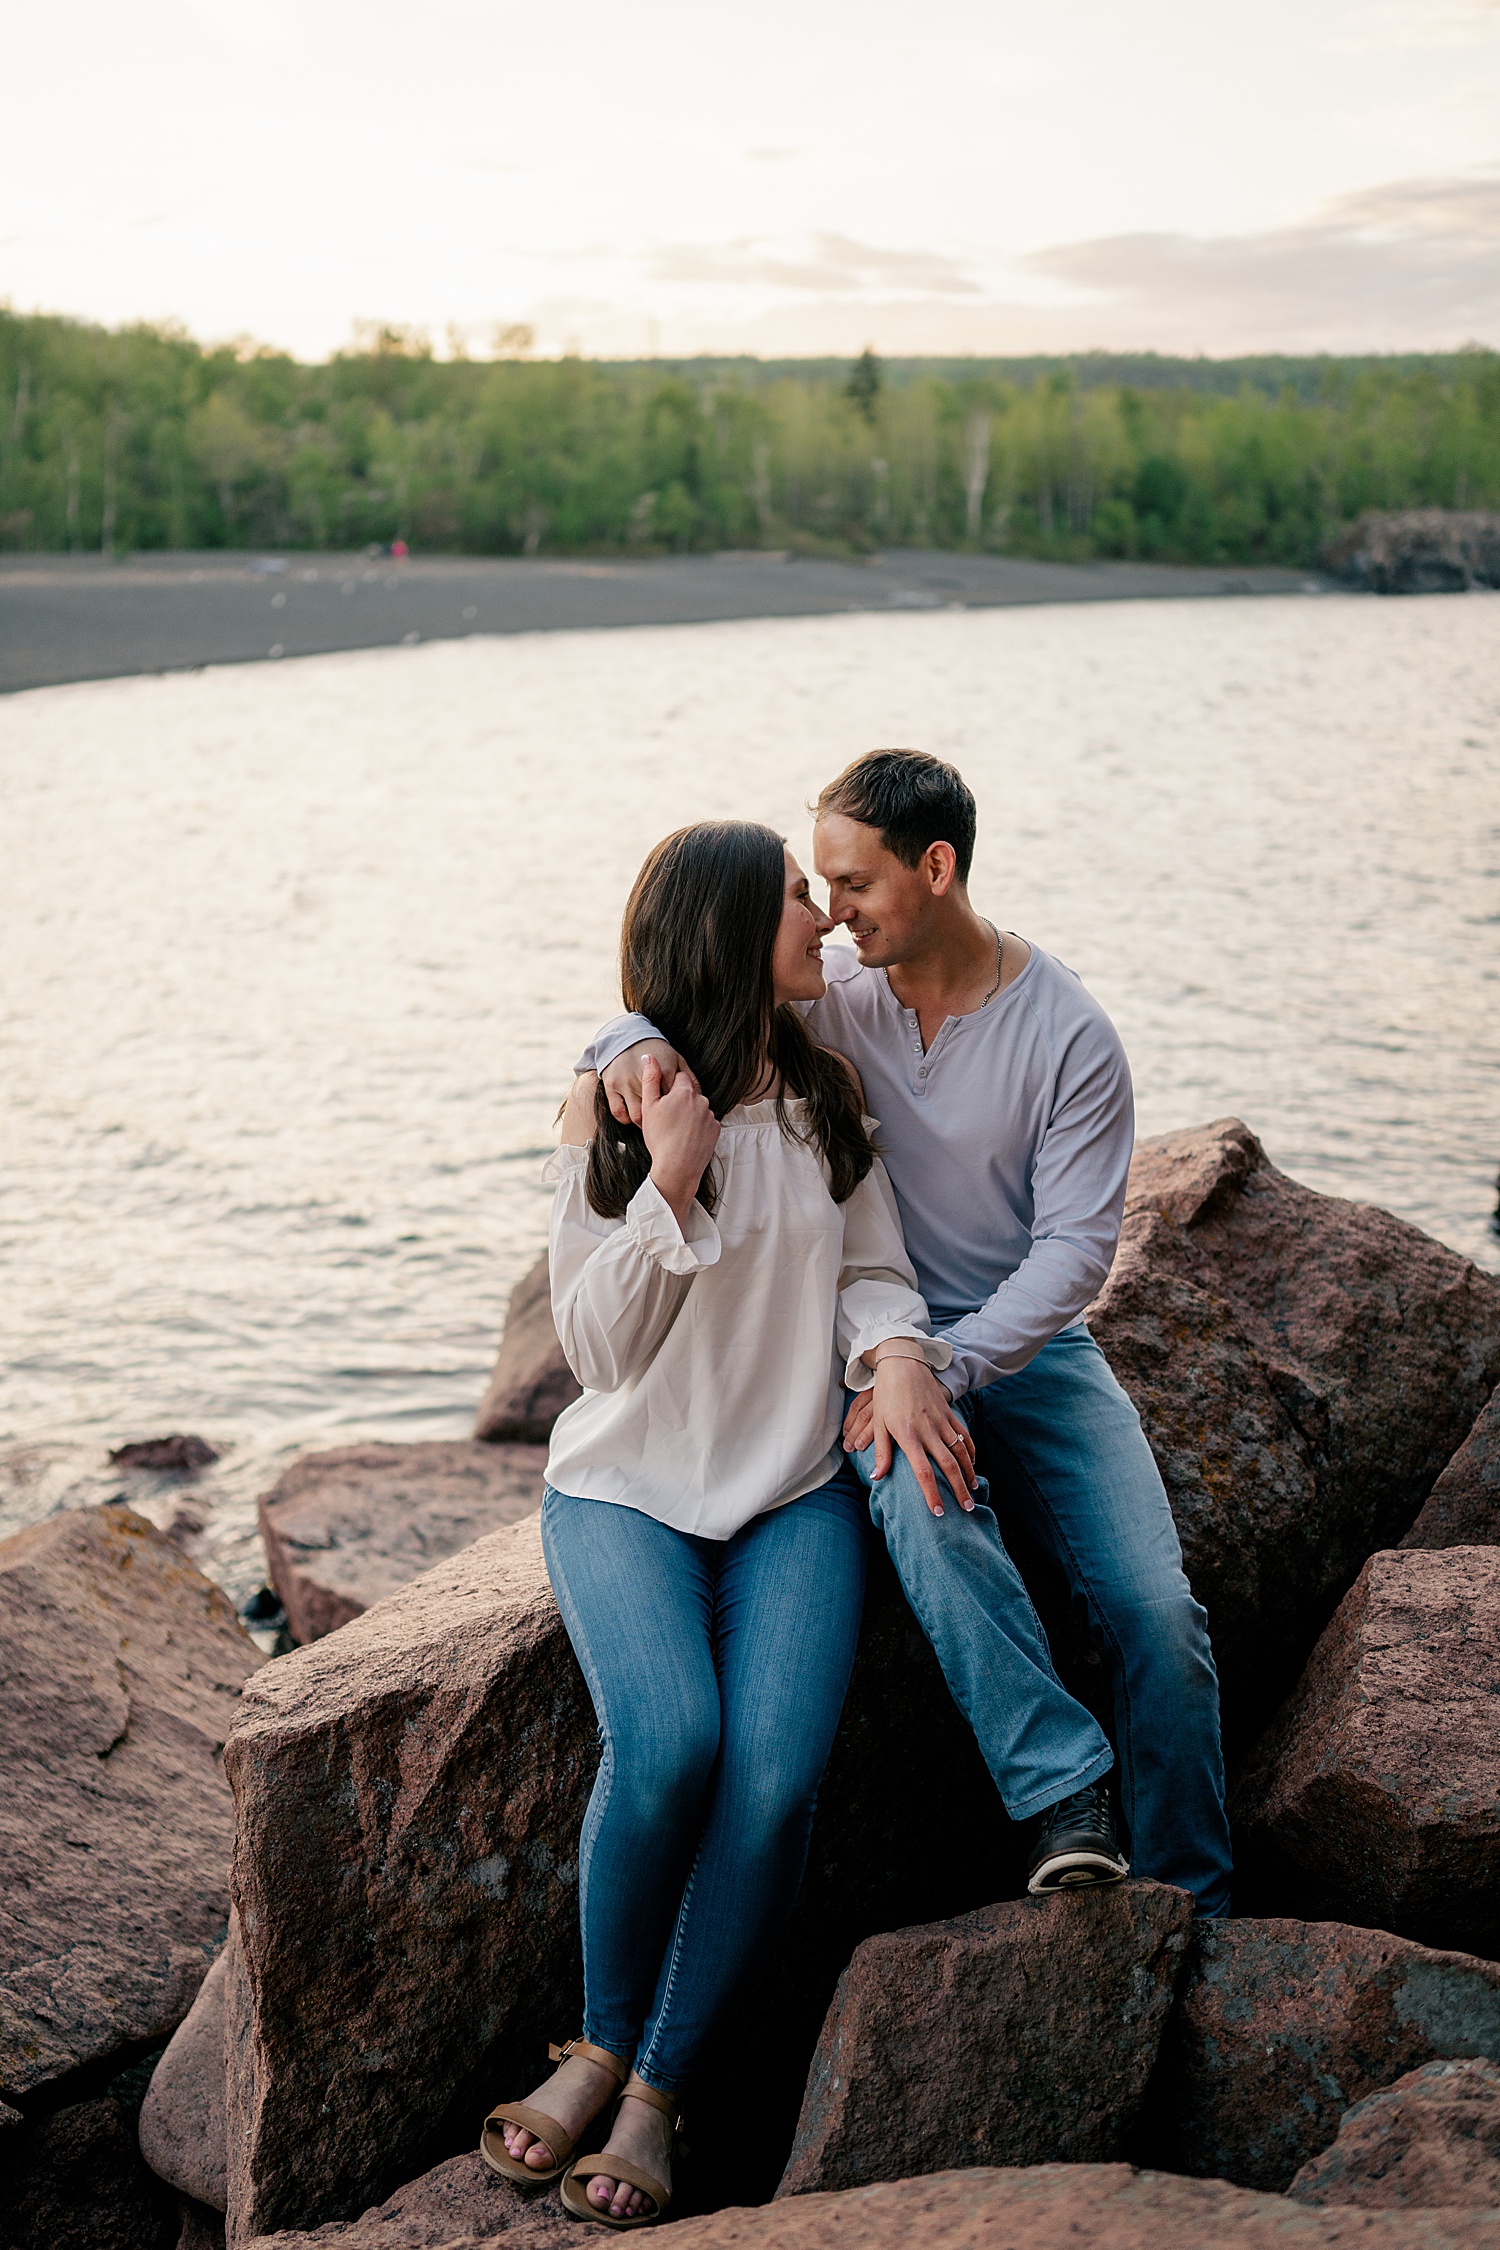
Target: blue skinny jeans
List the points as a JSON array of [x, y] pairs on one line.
[[1063, 1453], [718, 1670]]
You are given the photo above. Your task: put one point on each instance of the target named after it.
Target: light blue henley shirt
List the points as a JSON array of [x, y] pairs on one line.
[[1007, 1142]]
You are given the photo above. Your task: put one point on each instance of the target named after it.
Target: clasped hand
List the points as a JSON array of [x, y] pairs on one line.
[[907, 1407], [681, 1133]]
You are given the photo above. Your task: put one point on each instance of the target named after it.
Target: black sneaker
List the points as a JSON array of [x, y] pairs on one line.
[[1077, 1844]]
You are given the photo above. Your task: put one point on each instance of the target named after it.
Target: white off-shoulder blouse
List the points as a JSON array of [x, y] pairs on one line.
[[714, 1359]]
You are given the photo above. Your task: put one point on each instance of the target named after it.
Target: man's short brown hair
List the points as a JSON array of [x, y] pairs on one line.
[[913, 799]]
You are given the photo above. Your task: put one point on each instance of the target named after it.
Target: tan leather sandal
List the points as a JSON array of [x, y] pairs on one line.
[[492, 2141], [615, 2168]]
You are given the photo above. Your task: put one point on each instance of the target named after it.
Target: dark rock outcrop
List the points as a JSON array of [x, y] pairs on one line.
[[1375, 1797], [409, 1799], [1281, 2026], [201, 2227], [182, 2133], [1304, 1368], [1024, 2033], [122, 1669], [1431, 2140], [72, 2179], [344, 1529], [531, 1382], [1463, 1507], [1419, 551], [180, 1454]]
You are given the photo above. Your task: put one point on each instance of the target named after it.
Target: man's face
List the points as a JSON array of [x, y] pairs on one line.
[[886, 907]]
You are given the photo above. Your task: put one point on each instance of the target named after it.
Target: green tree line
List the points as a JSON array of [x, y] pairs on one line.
[[143, 438]]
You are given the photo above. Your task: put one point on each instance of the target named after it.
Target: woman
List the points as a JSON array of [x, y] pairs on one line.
[[717, 1274]]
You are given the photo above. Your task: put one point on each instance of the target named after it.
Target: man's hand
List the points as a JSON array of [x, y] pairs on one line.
[[909, 1408], [623, 1078], [681, 1132]]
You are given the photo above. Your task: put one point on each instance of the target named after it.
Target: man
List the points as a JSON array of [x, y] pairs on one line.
[[1006, 1124]]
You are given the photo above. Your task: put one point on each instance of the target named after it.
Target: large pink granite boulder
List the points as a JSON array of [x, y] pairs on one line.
[[1038, 2207], [1023, 2033], [1281, 2026], [409, 1796], [343, 1529], [531, 1382], [1304, 1368], [1431, 2140], [122, 1671], [1375, 1796], [457, 2203], [1463, 1507]]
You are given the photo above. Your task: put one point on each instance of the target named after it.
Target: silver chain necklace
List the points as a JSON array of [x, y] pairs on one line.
[[999, 963]]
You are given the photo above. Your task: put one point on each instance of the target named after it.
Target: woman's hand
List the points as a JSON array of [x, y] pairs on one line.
[[681, 1132], [909, 1408]]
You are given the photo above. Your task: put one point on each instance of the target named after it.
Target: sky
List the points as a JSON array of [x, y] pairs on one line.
[[628, 177]]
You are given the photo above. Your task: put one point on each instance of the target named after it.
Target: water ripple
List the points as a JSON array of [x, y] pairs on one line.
[[297, 959]]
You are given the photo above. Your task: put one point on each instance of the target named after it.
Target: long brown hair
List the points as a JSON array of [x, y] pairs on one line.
[[695, 956]]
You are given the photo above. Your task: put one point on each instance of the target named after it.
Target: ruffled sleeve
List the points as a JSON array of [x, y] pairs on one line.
[[878, 1294], [619, 1284]]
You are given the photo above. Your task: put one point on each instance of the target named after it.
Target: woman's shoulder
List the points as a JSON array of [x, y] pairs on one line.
[[848, 1068]]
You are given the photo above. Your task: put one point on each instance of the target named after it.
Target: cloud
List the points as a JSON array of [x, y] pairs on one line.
[[1409, 265], [1406, 265], [832, 265], [1467, 207], [1425, 23]]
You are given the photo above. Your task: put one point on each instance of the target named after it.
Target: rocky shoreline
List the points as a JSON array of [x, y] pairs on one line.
[[393, 1809], [1419, 551]]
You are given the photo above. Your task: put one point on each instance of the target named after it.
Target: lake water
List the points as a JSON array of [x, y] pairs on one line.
[[296, 959]]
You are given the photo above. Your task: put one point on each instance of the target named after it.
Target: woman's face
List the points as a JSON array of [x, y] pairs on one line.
[[797, 957]]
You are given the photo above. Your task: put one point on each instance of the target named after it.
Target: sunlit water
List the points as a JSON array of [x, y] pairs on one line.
[[296, 959]]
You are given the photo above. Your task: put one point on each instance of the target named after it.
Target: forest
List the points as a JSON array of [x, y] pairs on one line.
[[139, 438]]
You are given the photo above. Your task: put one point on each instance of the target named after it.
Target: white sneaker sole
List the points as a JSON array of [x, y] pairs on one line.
[[1071, 1871]]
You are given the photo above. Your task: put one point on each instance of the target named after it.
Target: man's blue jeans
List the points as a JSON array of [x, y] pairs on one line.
[[1065, 1457], [718, 1670]]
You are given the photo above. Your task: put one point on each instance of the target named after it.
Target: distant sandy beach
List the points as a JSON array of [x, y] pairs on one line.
[[77, 617]]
